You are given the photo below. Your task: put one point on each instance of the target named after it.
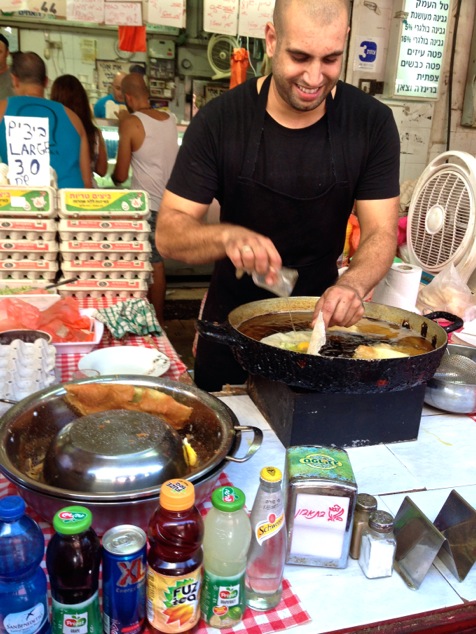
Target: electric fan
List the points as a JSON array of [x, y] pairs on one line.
[[220, 48], [441, 218]]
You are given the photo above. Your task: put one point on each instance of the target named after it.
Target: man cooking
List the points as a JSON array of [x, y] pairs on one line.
[[286, 156]]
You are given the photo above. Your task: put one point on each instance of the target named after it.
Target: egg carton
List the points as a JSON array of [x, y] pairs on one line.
[[28, 202], [97, 229], [97, 271], [26, 368], [28, 249], [76, 266], [103, 203], [12, 285], [27, 270], [27, 229], [105, 288], [89, 250]]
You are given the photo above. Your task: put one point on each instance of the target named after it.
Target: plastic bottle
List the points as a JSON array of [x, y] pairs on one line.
[[225, 547], [175, 558], [73, 557], [23, 606], [267, 554]]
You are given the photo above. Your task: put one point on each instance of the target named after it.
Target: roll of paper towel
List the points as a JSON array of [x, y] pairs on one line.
[[399, 287]]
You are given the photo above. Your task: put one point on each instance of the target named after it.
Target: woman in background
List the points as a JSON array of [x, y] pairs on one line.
[[68, 90]]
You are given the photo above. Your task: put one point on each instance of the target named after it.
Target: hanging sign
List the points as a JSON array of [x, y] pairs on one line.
[[220, 17], [253, 16], [28, 150]]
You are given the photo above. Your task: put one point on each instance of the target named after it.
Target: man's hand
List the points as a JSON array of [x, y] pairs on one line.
[[341, 305], [252, 252]]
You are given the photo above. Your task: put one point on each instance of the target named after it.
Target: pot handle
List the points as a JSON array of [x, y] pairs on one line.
[[220, 332], [255, 444], [456, 324]]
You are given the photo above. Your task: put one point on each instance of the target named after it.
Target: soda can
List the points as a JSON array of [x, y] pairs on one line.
[[124, 574]]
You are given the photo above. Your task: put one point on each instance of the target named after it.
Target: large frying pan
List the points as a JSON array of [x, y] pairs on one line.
[[325, 374]]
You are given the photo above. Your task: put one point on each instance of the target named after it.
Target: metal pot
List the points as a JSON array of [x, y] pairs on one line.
[[28, 429], [326, 374], [458, 398]]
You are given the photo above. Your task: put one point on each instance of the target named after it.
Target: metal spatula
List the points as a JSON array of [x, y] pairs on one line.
[[456, 368]]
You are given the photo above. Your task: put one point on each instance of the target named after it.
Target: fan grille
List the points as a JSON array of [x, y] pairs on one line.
[[449, 191]]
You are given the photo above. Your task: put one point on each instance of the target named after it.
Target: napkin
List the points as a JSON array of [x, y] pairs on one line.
[[136, 316]]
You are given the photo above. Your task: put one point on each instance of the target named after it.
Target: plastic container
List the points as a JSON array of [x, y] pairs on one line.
[[23, 606], [267, 554], [225, 547], [73, 557], [175, 534]]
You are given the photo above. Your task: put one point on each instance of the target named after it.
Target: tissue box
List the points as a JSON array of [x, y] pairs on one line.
[[320, 498]]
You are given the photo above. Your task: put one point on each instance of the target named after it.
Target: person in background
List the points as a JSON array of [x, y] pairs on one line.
[[148, 141], [68, 90], [287, 156], [137, 68], [68, 142], [6, 87], [114, 96]]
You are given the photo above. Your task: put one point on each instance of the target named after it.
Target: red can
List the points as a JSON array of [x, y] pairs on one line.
[[124, 573]]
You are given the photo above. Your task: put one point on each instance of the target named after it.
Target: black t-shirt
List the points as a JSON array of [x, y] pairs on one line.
[[294, 162]]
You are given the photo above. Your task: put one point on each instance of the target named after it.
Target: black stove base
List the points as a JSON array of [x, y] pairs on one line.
[[301, 417]]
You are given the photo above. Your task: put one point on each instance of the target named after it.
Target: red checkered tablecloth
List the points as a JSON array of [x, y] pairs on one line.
[[68, 363]]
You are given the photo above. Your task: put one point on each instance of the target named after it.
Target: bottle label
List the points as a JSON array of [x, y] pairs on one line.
[[223, 599], [269, 527], [173, 602], [80, 618], [27, 622]]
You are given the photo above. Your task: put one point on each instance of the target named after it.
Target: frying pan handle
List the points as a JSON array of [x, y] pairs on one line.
[[456, 324], [255, 444], [219, 332]]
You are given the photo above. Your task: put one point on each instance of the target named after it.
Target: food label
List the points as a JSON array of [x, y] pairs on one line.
[[104, 200], [223, 602], [25, 200], [31, 621], [269, 527], [81, 618], [173, 602]]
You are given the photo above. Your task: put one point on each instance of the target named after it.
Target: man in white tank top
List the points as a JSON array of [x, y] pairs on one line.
[[148, 142]]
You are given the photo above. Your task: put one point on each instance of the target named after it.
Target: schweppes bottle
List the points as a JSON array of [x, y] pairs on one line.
[[267, 553]]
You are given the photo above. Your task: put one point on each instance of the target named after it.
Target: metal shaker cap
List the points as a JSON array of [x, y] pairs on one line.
[[365, 502], [381, 521]]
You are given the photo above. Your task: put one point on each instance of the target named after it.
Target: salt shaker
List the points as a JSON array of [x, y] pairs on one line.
[[364, 506], [378, 546]]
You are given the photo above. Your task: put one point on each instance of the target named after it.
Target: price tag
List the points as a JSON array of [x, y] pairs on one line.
[[28, 150]]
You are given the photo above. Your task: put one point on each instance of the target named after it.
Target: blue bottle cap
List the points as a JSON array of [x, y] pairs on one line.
[[12, 508]]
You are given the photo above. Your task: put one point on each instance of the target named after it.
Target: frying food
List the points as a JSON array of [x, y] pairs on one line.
[[90, 398], [380, 351]]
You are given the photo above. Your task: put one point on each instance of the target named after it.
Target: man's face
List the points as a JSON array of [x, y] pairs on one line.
[[3, 57], [116, 88], [306, 57]]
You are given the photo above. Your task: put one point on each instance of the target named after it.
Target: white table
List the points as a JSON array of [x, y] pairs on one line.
[[443, 458]]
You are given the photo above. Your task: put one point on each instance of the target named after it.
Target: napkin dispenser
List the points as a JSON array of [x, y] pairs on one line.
[[320, 497]]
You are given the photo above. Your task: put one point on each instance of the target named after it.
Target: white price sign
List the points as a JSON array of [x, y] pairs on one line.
[[28, 150]]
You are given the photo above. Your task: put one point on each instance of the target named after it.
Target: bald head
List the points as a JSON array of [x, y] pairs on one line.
[[117, 86], [135, 86], [325, 11]]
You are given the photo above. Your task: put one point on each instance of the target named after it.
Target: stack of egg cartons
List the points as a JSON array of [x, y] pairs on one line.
[[28, 236], [104, 242], [26, 368]]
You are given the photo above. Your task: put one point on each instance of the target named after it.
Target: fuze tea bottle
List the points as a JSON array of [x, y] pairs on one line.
[[175, 558], [225, 547], [267, 554], [73, 557]]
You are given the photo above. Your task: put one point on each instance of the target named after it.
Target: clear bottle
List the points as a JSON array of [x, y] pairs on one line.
[[267, 554], [23, 606], [175, 558], [365, 505], [377, 551], [225, 547], [73, 557]]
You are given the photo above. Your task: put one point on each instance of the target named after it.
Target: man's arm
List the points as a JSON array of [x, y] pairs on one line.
[[181, 234], [124, 150], [101, 161], [342, 303]]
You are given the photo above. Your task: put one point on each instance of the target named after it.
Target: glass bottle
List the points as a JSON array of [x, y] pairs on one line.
[[365, 505], [175, 557], [73, 558], [225, 547], [377, 551], [267, 554], [23, 606]]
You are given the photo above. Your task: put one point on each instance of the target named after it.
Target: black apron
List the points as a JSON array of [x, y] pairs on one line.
[[308, 233]]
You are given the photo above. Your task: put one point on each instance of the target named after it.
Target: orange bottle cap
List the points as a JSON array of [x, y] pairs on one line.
[[177, 495]]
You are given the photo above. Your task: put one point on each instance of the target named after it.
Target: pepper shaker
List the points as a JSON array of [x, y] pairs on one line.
[[364, 506], [378, 546]]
